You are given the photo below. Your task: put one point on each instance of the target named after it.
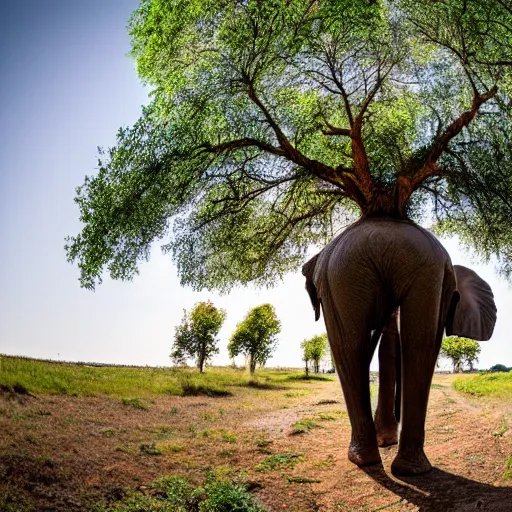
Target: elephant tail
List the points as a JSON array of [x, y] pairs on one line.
[[308, 271]]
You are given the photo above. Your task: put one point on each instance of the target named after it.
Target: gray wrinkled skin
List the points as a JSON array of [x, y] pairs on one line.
[[358, 280]]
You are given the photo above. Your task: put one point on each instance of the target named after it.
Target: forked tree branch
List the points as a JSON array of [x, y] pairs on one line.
[[442, 141]]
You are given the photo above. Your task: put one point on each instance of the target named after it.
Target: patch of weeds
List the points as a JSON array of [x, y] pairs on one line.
[[221, 412], [190, 388], [288, 460], [168, 447], [451, 401], [164, 432], [437, 386], [327, 402], [130, 450], [323, 416], [308, 378], [107, 432], [207, 416], [228, 437], [192, 428], [136, 403], [228, 452], [176, 494], [263, 443], [150, 449], [43, 412], [326, 463], [304, 426], [342, 414], [508, 473], [302, 480], [502, 428], [173, 411], [294, 394]]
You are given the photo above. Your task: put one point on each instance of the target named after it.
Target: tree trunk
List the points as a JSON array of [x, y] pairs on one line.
[[390, 201], [252, 364], [317, 366], [201, 359], [307, 369]]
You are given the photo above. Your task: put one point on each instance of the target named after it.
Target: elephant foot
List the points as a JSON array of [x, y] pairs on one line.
[[410, 463], [362, 455], [387, 434], [387, 438]]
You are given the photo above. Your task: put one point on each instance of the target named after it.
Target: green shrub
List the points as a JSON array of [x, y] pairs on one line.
[[303, 426], [136, 403], [175, 494], [279, 460]]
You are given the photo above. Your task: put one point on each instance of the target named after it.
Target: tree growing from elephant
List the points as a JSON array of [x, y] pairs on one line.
[[196, 336], [314, 349], [272, 124], [461, 351], [256, 336]]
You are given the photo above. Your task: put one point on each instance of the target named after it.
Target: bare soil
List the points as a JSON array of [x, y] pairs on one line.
[[61, 453]]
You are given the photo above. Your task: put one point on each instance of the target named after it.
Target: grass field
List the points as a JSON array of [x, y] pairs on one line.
[[487, 384], [82, 438], [41, 377]]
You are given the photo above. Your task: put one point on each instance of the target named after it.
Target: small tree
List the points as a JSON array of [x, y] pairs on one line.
[[255, 336], [196, 336], [314, 349], [461, 351], [499, 368]]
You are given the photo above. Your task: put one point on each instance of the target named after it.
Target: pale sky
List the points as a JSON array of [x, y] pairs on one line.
[[66, 87]]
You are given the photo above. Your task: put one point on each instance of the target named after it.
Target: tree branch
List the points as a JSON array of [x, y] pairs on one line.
[[242, 143], [442, 141]]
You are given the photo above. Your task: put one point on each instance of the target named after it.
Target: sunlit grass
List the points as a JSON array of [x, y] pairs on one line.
[[496, 384], [43, 377]]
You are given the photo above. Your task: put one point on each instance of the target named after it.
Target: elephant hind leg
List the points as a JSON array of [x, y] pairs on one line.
[[421, 331], [387, 415], [352, 348]]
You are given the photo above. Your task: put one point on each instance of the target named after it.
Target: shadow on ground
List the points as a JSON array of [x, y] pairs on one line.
[[441, 491]]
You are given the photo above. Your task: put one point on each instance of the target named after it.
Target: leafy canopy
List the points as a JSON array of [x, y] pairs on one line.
[[461, 351], [196, 336], [256, 335], [275, 122]]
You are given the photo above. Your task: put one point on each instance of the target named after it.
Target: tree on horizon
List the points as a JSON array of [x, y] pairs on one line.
[[274, 123], [256, 336], [196, 336]]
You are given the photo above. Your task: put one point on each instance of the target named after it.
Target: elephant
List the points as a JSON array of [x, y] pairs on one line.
[[374, 267]]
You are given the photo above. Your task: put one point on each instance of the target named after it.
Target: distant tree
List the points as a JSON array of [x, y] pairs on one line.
[[314, 349], [255, 336], [461, 351], [196, 336], [499, 368]]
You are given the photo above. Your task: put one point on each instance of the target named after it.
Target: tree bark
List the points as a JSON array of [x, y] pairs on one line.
[[201, 360], [252, 364]]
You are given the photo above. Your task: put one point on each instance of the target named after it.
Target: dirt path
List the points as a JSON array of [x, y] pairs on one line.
[[68, 453]]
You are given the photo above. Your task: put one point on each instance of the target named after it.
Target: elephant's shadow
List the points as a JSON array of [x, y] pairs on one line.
[[439, 491]]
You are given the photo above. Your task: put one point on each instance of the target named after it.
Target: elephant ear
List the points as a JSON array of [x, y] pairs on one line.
[[474, 314], [308, 271]]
